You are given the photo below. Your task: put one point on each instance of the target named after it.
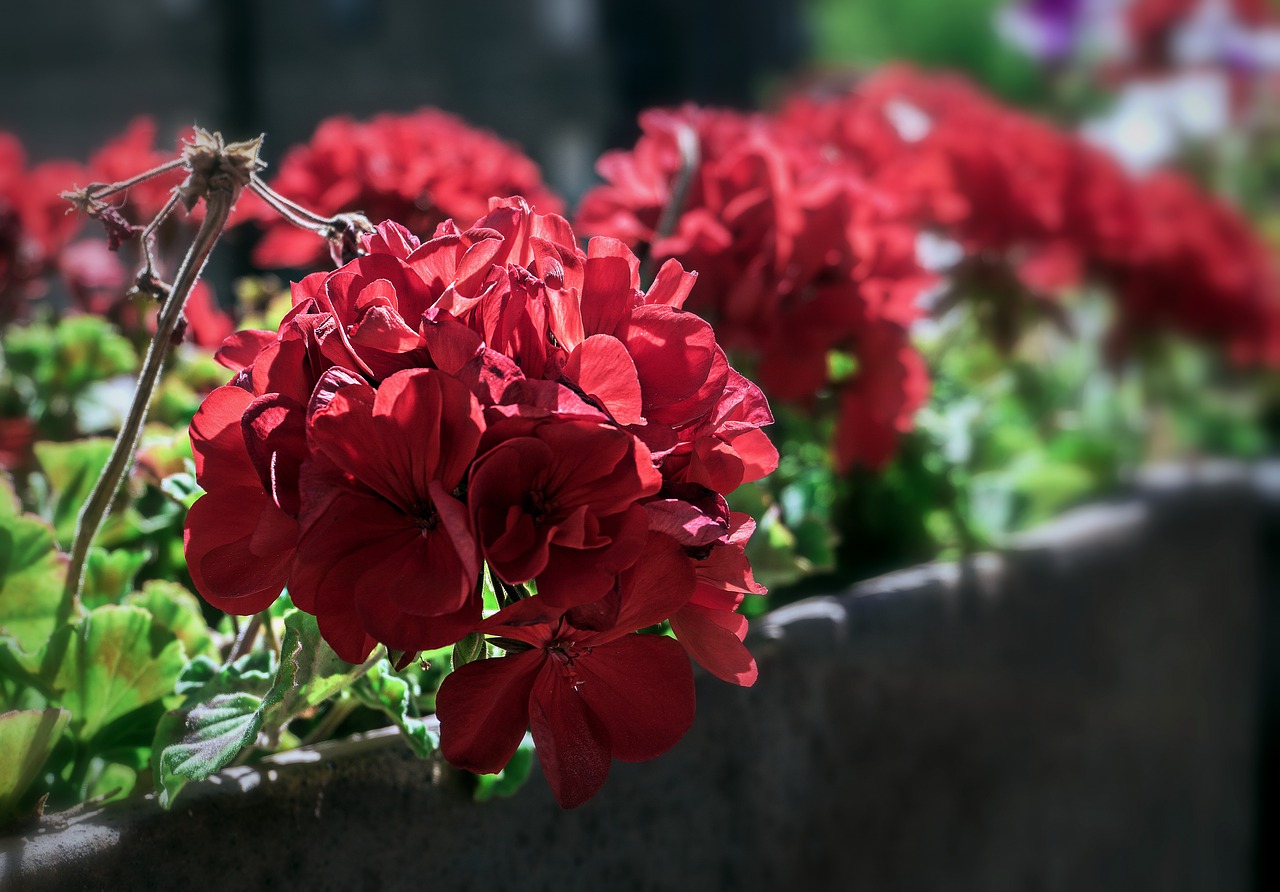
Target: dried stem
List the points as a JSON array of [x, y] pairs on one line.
[[340, 230], [217, 174], [99, 191], [148, 238]]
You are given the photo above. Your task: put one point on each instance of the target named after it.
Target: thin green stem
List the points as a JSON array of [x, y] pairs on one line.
[[337, 714], [247, 634]]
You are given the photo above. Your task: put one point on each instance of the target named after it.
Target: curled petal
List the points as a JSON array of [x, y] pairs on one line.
[[714, 639]]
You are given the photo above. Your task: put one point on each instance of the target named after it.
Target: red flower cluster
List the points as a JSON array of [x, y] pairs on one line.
[[419, 169], [34, 225], [1018, 194], [38, 233], [798, 256], [494, 395]]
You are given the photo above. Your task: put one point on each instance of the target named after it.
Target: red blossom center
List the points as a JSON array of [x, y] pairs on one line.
[[426, 517], [564, 653], [538, 504]]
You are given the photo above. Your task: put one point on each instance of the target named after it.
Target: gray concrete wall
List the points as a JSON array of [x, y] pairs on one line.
[[1081, 713]]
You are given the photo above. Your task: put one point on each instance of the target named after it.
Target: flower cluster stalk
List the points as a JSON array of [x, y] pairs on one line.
[[218, 174]]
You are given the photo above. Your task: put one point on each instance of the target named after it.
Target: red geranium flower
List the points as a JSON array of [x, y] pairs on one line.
[[554, 500], [239, 543], [588, 696], [797, 256], [495, 393], [419, 169], [387, 553]]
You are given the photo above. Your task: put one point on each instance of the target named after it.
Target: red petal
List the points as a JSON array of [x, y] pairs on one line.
[[240, 349], [671, 286], [609, 286], [484, 710], [572, 744], [220, 455], [640, 687], [275, 437], [239, 548], [602, 369], [658, 585], [714, 639]]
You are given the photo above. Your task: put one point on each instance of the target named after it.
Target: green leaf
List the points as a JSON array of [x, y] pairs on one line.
[[511, 778], [109, 574], [182, 488], [10, 505], [382, 689], [72, 469], [310, 672], [192, 744], [32, 575], [177, 610], [58, 363], [26, 738], [20, 684], [468, 650], [118, 659], [202, 677], [112, 781]]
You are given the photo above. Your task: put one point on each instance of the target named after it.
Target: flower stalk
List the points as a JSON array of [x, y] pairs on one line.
[[218, 172]]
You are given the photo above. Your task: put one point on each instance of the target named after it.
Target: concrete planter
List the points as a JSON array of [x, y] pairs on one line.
[[1078, 713]]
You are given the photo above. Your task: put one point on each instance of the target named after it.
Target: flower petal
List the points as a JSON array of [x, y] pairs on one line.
[[640, 687], [571, 742], [484, 710]]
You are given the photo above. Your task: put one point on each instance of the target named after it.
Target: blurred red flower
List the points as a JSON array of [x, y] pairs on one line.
[[418, 169]]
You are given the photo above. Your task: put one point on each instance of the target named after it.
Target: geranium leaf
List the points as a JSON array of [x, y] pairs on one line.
[[9, 504], [468, 650], [109, 575], [72, 469], [32, 574], [20, 684], [192, 744], [182, 488], [119, 659], [202, 677], [177, 610], [382, 689], [26, 739], [62, 361], [309, 674]]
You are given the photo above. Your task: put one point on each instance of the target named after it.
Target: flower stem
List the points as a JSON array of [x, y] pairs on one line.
[[99, 191], [218, 204]]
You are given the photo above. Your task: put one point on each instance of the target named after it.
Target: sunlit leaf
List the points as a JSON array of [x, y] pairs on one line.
[[192, 744], [72, 469], [177, 610], [382, 689], [26, 738], [32, 575], [109, 575], [118, 659]]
